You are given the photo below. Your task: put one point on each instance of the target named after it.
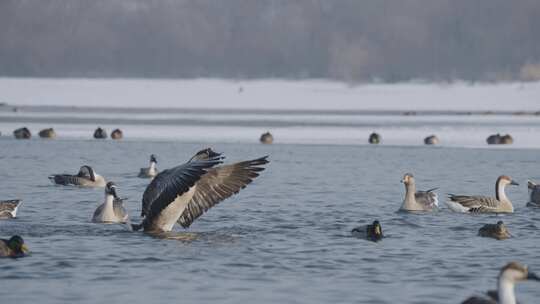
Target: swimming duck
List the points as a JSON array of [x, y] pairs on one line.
[[13, 248], [117, 134], [47, 133], [100, 133], [22, 133], [417, 200], [510, 274], [498, 139], [112, 210], [371, 232], [374, 138], [86, 177], [431, 140], [497, 231], [185, 192], [534, 194], [267, 138], [150, 171], [8, 209], [484, 204]]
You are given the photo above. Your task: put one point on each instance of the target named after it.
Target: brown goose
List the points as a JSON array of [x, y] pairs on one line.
[[185, 192], [484, 204]]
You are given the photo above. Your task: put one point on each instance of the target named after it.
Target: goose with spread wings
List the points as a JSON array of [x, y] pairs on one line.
[[183, 193]]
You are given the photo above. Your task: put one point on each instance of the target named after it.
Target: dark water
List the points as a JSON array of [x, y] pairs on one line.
[[283, 239]]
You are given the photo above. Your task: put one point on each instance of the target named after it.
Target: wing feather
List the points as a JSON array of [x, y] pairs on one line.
[[475, 201], [218, 184], [169, 184]]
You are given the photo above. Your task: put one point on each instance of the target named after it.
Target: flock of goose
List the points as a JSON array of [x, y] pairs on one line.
[[185, 192]]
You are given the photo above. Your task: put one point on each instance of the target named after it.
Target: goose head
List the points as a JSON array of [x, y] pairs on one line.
[[514, 272], [17, 246], [110, 189], [408, 179], [504, 180], [153, 158], [87, 171]]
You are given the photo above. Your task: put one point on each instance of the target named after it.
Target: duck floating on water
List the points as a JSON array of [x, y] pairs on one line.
[[498, 139], [8, 209], [13, 248], [100, 133], [431, 140], [117, 134], [267, 138], [534, 194], [185, 192], [510, 274], [371, 232], [374, 138], [497, 231], [22, 133], [484, 204], [47, 133], [418, 200], [112, 210], [86, 177], [150, 171]]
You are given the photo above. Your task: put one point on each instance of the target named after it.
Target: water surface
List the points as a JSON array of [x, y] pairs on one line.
[[285, 238]]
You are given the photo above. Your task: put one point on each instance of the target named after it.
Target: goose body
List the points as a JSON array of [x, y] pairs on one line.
[[497, 231], [86, 177], [13, 248], [417, 200], [534, 194], [371, 232], [112, 210], [183, 193], [484, 204], [151, 171], [509, 275], [8, 209]]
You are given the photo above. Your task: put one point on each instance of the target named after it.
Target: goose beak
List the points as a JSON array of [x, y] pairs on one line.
[[514, 183], [24, 249], [533, 276]]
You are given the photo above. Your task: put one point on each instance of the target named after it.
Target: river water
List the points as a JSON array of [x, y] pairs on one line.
[[283, 239]]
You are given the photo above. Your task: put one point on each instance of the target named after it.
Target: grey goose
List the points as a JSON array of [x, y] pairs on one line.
[[484, 204]]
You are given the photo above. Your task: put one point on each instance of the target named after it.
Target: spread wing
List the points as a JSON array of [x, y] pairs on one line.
[[218, 184], [169, 184]]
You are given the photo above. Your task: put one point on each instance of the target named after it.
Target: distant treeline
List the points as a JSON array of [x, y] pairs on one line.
[[350, 40]]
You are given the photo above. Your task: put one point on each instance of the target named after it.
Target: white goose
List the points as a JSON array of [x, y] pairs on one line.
[[185, 192], [150, 171], [112, 210], [484, 204], [510, 274]]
